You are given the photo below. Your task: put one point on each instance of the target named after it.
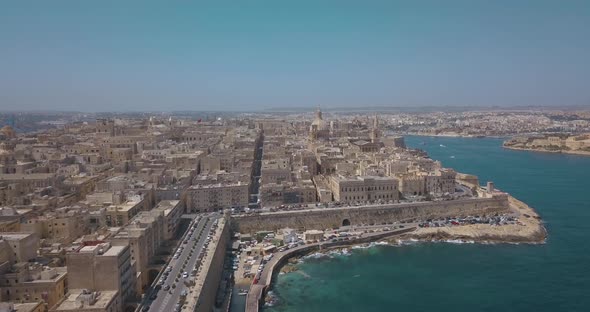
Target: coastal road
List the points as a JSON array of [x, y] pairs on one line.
[[256, 290], [166, 300]]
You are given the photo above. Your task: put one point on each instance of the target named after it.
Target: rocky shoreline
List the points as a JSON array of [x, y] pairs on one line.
[[542, 150], [456, 135], [529, 230], [538, 237]]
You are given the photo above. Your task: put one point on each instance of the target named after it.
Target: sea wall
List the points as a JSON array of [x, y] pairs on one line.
[[205, 300], [257, 291], [377, 214]]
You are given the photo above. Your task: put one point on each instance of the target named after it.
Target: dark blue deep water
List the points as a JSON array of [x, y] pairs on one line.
[[469, 277]]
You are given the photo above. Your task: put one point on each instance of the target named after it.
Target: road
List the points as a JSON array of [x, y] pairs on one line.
[[257, 290], [255, 187], [167, 300]]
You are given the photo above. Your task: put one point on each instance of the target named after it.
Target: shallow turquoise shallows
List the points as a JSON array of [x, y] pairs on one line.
[[469, 277]]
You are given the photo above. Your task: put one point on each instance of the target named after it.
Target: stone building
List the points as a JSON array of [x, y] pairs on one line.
[[441, 181], [363, 146], [273, 194], [411, 184], [144, 235], [105, 127], [22, 307], [319, 129], [8, 162], [120, 214], [173, 210], [32, 282], [313, 235], [210, 164], [64, 225], [9, 226], [364, 188], [83, 300], [213, 197], [22, 245], [100, 266], [275, 175]]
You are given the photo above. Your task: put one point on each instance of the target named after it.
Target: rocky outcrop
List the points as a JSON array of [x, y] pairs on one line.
[[529, 230]]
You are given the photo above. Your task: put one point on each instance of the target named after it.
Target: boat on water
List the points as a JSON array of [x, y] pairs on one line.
[[243, 292], [442, 145]]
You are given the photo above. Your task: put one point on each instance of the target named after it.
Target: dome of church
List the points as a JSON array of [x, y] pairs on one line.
[[319, 121], [8, 132]]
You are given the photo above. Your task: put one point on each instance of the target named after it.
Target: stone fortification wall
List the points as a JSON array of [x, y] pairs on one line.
[[336, 217], [205, 300]]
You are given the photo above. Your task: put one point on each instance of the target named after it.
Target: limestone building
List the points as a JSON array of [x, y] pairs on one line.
[[23, 245], [83, 300], [32, 282], [213, 197], [102, 267], [363, 188], [64, 225], [441, 181], [319, 129]]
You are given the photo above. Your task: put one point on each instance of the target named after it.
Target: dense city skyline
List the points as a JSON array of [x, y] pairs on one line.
[[287, 156], [150, 200], [108, 56]]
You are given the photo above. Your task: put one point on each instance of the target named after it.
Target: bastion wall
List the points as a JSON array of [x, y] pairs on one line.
[[321, 219]]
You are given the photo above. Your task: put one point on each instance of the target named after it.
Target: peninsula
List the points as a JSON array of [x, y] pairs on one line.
[[554, 143], [368, 186], [159, 199]]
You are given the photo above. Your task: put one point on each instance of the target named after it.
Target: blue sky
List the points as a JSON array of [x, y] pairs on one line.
[[247, 54]]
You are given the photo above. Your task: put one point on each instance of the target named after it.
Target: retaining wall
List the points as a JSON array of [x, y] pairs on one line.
[[335, 217]]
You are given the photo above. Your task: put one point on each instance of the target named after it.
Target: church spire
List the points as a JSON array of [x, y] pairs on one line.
[[318, 113], [375, 130]]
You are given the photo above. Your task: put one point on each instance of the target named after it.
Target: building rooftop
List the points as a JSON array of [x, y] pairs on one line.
[[225, 184], [26, 307], [123, 207], [82, 300], [114, 251], [14, 235]]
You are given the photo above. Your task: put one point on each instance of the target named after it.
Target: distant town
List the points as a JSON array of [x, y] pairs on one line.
[[555, 143], [187, 212], [460, 121]]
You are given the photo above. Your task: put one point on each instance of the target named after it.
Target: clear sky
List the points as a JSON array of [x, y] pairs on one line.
[[247, 54]]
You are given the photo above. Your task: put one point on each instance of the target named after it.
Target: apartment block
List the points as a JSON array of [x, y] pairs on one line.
[[100, 266], [214, 197]]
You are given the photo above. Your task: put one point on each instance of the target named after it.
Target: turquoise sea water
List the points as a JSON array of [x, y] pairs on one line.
[[469, 277]]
